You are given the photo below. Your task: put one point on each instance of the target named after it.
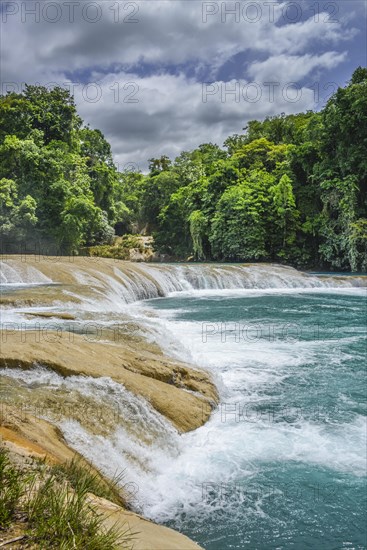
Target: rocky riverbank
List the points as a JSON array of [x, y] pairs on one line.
[[30, 440], [81, 367], [39, 330]]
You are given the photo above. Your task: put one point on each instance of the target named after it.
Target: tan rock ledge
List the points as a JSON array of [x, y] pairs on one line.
[[185, 396], [29, 438], [149, 535]]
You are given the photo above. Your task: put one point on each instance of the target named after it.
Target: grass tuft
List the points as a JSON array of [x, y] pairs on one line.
[[12, 488], [61, 517], [82, 476], [55, 508]]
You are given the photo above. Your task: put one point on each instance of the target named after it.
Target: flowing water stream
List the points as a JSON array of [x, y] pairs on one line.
[[282, 461]]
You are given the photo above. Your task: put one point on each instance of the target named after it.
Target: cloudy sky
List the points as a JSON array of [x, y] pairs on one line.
[[158, 77]]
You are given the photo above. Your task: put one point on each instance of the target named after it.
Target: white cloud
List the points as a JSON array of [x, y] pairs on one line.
[[293, 68], [165, 33], [171, 114]]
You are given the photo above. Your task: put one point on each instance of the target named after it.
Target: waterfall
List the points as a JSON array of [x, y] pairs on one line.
[[95, 415], [295, 386], [128, 282], [19, 273]]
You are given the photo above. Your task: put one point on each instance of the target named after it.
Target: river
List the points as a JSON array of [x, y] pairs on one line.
[[282, 461]]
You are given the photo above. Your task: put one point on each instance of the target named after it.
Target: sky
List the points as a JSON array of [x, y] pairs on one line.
[[161, 76]]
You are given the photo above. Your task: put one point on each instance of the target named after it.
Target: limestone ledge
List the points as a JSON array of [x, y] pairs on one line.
[[28, 438], [185, 396]]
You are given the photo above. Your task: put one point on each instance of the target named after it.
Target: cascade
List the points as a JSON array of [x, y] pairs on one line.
[[129, 283]]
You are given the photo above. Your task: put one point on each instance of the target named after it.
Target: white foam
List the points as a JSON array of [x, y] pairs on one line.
[[15, 272], [230, 447], [169, 469]]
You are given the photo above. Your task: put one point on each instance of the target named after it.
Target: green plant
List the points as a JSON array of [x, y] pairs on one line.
[[56, 507], [119, 250], [61, 517], [12, 487], [82, 476]]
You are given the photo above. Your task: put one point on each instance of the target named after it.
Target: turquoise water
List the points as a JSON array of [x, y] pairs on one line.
[[282, 462]]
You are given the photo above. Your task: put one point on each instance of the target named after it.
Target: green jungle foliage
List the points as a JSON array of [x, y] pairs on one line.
[[291, 189]]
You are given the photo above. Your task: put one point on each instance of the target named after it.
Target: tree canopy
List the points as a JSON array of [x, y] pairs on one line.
[[289, 189], [58, 182]]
